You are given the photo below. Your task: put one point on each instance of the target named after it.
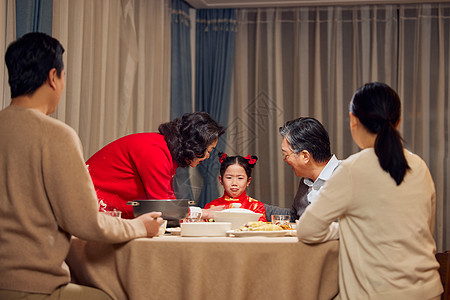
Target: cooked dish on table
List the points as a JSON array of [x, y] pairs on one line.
[[263, 226]]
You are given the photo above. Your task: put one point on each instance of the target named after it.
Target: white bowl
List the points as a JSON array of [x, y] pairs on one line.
[[237, 216], [205, 228]]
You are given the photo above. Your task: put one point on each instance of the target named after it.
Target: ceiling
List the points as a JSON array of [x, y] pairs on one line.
[[286, 3]]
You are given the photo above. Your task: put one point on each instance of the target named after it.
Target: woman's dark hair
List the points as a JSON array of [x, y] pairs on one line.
[[307, 134], [30, 59], [188, 137], [248, 163], [377, 106]]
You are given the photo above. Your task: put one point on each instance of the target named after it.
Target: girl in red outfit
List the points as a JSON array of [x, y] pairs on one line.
[[142, 165], [235, 176]]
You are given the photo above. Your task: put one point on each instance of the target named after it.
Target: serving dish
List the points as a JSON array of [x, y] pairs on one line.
[[205, 228], [276, 233], [172, 209], [174, 230], [236, 216]]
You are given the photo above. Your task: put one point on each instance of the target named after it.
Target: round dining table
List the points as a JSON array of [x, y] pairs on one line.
[[210, 268]]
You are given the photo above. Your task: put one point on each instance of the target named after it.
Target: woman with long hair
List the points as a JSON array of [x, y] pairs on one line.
[[384, 200]]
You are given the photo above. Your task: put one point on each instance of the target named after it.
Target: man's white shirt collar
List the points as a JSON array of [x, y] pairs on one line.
[[314, 186]]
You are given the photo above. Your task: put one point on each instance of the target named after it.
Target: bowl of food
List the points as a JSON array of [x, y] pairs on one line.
[[173, 210], [236, 216]]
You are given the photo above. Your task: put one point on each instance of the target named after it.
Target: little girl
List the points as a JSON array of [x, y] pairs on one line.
[[235, 176]]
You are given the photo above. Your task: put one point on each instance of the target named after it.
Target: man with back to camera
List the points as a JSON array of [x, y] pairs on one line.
[[306, 148], [46, 192]]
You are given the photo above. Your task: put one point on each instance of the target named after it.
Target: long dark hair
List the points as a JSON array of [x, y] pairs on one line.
[[188, 137], [248, 163], [377, 106]]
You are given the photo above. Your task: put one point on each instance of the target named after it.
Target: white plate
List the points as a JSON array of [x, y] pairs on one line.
[[174, 230], [274, 233]]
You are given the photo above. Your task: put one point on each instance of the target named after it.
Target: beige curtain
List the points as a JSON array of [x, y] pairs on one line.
[[7, 35], [117, 66], [424, 86], [308, 62]]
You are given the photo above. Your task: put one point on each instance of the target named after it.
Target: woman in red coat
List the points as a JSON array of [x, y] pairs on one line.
[[142, 165]]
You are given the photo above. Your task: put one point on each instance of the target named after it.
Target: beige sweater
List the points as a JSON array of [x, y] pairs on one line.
[[386, 245], [46, 195]]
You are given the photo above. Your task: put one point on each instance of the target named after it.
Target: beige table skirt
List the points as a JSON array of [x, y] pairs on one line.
[[213, 268]]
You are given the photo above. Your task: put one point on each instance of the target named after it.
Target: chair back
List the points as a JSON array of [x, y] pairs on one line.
[[444, 269]]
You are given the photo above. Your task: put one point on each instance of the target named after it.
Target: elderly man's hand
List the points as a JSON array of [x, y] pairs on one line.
[[210, 212], [152, 222]]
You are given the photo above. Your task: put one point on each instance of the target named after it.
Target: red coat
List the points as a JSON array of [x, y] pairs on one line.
[[135, 167], [245, 201]]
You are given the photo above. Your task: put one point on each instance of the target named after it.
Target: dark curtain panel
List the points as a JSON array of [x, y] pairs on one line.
[[181, 82], [215, 39], [33, 16]]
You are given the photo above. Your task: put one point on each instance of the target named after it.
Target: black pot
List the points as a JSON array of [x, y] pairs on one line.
[[173, 210]]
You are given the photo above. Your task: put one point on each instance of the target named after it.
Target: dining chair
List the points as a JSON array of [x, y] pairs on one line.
[[444, 269]]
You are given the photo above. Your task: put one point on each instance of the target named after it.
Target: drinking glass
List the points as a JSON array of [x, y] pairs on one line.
[[162, 229], [281, 220], [193, 217]]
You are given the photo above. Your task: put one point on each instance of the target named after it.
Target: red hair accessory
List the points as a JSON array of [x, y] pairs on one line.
[[251, 160], [221, 159]]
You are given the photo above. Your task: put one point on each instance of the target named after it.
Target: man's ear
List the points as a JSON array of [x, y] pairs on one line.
[[305, 156], [52, 76]]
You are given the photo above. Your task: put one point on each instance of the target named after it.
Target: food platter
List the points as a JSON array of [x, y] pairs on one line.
[[231, 233], [275, 233], [174, 230]]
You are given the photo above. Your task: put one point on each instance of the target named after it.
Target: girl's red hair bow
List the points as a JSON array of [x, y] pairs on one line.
[[221, 159], [251, 160]]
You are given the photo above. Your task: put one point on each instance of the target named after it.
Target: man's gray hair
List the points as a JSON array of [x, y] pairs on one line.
[[307, 134]]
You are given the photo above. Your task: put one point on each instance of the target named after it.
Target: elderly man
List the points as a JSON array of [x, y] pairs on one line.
[[46, 193], [306, 148]]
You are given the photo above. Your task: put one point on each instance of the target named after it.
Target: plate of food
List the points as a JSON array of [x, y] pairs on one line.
[[276, 233], [260, 228], [174, 230]]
